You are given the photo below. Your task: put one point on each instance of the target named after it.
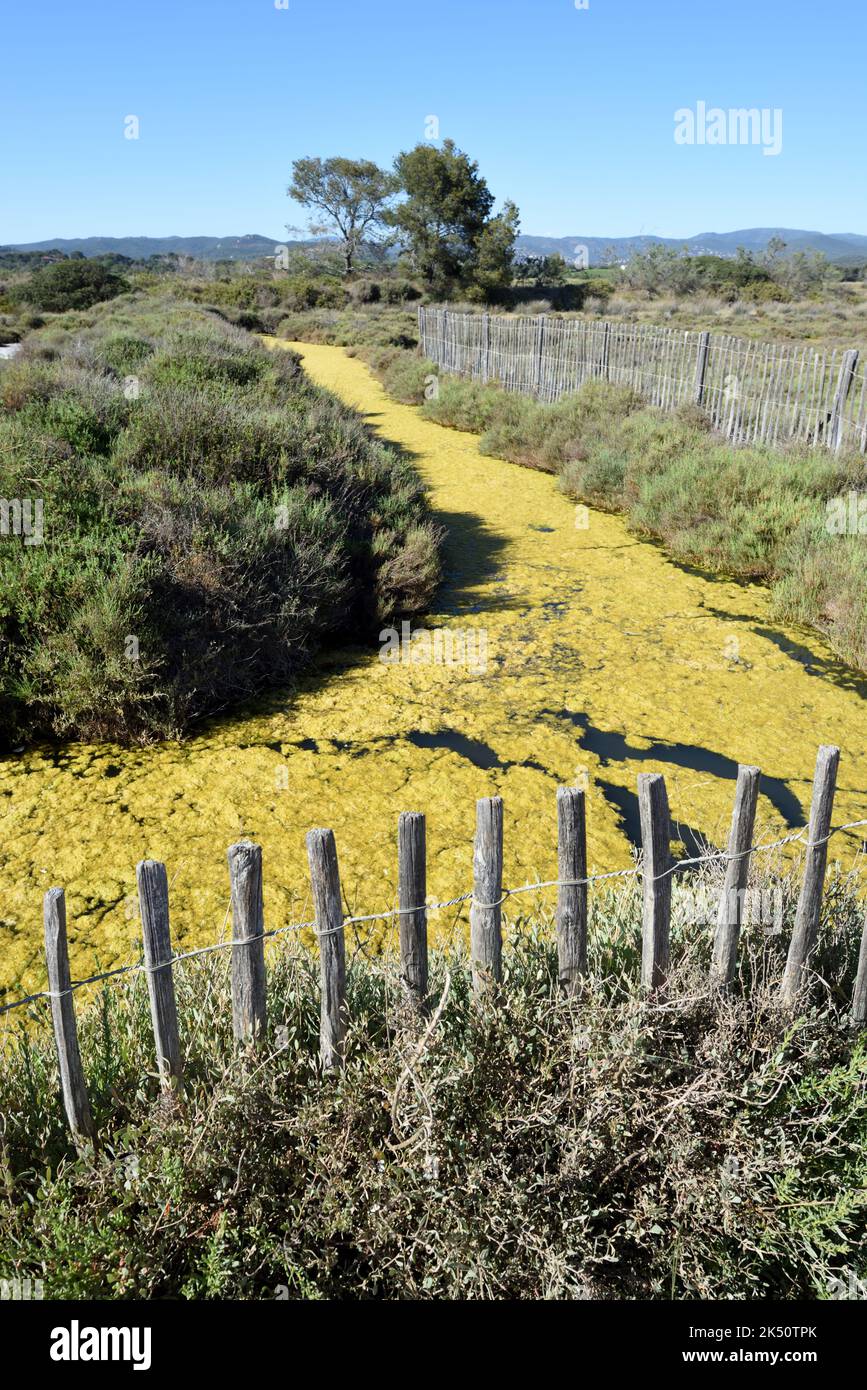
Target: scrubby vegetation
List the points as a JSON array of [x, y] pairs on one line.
[[754, 513], [793, 297], [70, 284], [210, 518], [312, 303], [683, 1146]]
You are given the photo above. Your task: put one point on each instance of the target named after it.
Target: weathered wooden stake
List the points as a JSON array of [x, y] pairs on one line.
[[844, 385], [656, 843], [731, 909], [153, 896], [325, 879], [540, 352], [412, 893], [249, 1013], [486, 944], [72, 1083], [701, 367], [571, 896], [810, 902], [606, 350], [859, 995]]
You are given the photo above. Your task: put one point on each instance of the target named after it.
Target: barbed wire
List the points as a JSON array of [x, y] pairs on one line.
[[140, 967]]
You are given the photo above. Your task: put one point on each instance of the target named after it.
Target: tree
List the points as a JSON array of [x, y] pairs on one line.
[[662, 269], [352, 195], [773, 255], [495, 256], [541, 271], [805, 272], [445, 221], [72, 284]]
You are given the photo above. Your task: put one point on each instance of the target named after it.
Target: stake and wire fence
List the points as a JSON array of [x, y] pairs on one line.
[[754, 392], [486, 899]]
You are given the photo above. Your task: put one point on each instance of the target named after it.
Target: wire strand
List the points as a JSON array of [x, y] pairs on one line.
[[141, 968]]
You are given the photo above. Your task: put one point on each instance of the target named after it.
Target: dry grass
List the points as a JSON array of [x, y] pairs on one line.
[[686, 1146]]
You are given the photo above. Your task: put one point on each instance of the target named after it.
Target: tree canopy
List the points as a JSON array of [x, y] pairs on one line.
[[445, 222], [73, 284], [351, 195]]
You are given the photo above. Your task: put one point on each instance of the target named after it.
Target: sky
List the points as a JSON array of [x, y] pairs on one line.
[[569, 111]]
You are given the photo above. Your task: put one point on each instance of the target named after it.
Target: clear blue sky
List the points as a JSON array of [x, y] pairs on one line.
[[569, 112]]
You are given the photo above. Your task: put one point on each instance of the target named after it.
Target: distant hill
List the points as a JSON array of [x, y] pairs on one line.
[[201, 248], [844, 248]]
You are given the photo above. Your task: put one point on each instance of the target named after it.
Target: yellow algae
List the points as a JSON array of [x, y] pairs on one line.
[[603, 659]]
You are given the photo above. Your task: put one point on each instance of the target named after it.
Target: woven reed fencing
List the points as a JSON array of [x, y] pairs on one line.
[[767, 393]]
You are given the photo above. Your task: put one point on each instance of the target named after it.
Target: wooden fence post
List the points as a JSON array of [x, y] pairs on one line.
[[701, 367], [486, 945], [571, 895], [810, 902], [72, 1083], [606, 350], [656, 843], [859, 995], [325, 879], [249, 1011], [731, 909], [153, 895], [844, 385], [540, 352], [412, 892]]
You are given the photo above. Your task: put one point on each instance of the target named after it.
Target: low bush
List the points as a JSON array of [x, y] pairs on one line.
[[370, 326], [71, 284], [209, 519], [405, 376], [301, 292]]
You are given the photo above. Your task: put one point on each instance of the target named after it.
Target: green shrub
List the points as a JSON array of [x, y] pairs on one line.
[[71, 285], [227, 515], [312, 292], [766, 292], [364, 292], [375, 325], [406, 377], [123, 353], [824, 582]]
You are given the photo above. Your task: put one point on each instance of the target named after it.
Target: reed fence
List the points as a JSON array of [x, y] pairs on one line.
[[486, 898], [754, 392]]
